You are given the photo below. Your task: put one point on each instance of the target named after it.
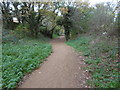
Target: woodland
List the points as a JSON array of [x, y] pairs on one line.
[[28, 27]]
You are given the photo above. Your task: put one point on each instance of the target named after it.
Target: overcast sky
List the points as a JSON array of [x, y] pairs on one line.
[[92, 2]]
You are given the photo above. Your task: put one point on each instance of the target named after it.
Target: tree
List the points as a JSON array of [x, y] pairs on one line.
[[102, 19], [7, 15], [75, 18], [67, 22], [16, 11], [80, 18]]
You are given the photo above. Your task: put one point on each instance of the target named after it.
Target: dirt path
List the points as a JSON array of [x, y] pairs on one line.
[[61, 70]]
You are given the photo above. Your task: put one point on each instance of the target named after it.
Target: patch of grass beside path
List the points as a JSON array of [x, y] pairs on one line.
[[21, 58], [102, 61]]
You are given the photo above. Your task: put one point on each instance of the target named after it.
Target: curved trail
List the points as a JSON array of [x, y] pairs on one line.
[[61, 70]]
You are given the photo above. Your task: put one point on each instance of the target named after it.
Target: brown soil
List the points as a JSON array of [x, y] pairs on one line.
[[61, 70]]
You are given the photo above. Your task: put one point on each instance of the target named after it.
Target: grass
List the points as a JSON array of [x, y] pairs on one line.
[[101, 59], [21, 58]]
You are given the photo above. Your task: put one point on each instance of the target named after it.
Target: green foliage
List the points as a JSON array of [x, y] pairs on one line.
[[67, 23], [22, 30], [102, 19], [90, 61], [55, 35], [22, 58], [42, 28], [9, 36], [59, 20], [102, 61], [57, 30], [80, 44]]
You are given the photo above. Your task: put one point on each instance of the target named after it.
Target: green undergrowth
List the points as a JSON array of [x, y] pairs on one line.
[[80, 45], [101, 57], [55, 35], [21, 58]]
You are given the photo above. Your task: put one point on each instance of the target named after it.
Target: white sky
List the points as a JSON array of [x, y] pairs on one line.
[[93, 2]]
